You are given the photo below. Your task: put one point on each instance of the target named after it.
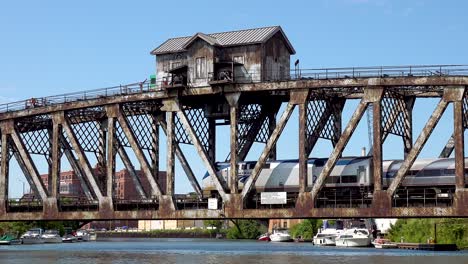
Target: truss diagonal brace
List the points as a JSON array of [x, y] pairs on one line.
[[145, 167], [201, 151], [29, 167], [418, 145], [82, 159], [338, 150], [131, 170], [76, 167], [183, 161], [269, 145]]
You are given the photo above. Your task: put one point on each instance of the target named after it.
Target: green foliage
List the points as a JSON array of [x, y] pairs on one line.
[[245, 229], [215, 226], [421, 230], [19, 228], [306, 229]]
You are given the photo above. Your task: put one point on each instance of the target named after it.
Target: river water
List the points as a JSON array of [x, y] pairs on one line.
[[207, 251]]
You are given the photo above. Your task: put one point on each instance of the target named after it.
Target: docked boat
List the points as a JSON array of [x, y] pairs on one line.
[[383, 243], [33, 236], [326, 237], [357, 237], [82, 235], [264, 237], [327, 234], [51, 236], [9, 240], [69, 238], [280, 235]]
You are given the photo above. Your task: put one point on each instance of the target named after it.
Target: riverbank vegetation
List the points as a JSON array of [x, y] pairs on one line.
[[448, 231], [19, 228], [306, 229]]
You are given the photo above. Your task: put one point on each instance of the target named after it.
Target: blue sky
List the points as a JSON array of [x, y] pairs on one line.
[[53, 47]]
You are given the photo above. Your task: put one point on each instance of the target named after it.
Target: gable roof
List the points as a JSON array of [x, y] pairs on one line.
[[224, 39]]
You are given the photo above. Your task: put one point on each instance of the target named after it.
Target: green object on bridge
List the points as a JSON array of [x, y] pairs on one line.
[[152, 81]]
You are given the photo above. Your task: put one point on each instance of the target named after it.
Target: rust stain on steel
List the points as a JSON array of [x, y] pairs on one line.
[[265, 86]]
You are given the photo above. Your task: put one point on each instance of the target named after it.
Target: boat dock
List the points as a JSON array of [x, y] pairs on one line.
[[430, 247]]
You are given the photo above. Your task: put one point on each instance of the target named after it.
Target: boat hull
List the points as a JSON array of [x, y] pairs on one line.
[[52, 239], [352, 242], [324, 241], [32, 240], [280, 238]]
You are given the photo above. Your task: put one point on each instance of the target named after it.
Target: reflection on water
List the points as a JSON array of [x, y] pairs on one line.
[[213, 251]]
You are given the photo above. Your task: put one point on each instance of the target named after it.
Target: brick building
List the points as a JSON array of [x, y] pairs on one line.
[[124, 187]]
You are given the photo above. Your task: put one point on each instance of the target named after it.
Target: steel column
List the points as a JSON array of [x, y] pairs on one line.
[[303, 156], [459, 144], [54, 180], [377, 141], [170, 168], [110, 163], [233, 100], [4, 169]]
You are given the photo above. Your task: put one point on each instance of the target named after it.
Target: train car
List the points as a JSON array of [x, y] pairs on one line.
[[283, 175], [350, 173], [423, 173]]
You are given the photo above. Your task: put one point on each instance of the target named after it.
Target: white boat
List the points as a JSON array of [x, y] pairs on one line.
[[326, 237], [82, 235], [69, 238], [51, 236], [33, 236], [356, 237], [280, 235], [383, 243]]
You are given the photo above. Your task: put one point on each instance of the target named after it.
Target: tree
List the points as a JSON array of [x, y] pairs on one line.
[[245, 229], [306, 229]]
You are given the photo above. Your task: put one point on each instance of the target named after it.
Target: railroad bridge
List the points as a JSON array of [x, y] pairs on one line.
[[108, 122]]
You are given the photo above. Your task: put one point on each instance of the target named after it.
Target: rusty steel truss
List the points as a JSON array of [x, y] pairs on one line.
[[90, 134]]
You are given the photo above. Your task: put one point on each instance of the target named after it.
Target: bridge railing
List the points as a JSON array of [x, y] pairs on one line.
[[246, 77]]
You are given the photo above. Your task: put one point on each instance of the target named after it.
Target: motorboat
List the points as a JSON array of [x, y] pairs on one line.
[[33, 236], [356, 237], [383, 243], [280, 235], [51, 236], [69, 238], [8, 239], [82, 235], [326, 237], [264, 237], [327, 234]]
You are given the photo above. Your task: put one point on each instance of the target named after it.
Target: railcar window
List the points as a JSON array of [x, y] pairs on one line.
[[349, 179], [266, 165], [333, 179]]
